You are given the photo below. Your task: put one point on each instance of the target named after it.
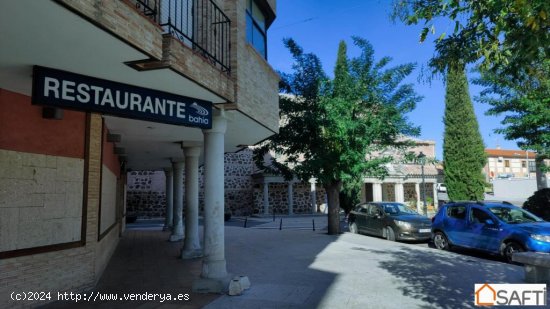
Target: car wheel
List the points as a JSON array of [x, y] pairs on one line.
[[509, 249], [441, 242], [353, 228], [390, 235]]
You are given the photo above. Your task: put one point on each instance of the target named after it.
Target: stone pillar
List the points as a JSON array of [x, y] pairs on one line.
[[191, 246], [377, 192], [214, 272], [266, 197], [169, 199], [418, 200], [313, 196], [399, 192], [290, 198], [177, 230]]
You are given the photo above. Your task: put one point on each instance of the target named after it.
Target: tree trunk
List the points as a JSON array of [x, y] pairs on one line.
[[541, 175], [333, 195]]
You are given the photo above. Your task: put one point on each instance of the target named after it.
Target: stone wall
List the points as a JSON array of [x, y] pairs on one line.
[[278, 198], [146, 194]]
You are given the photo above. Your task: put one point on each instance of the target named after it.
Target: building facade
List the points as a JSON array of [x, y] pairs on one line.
[[503, 163], [409, 183], [92, 89]]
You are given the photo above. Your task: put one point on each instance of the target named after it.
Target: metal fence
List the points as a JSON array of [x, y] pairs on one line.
[[199, 24]]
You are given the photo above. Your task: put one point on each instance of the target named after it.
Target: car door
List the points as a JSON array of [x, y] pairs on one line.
[[483, 231], [376, 219], [361, 217], [456, 224]]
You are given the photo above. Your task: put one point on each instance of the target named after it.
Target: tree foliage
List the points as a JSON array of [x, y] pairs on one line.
[[328, 125], [526, 106], [463, 149], [507, 35], [539, 203]]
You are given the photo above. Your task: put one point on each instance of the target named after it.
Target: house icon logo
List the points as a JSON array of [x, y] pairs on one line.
[[486, 295]]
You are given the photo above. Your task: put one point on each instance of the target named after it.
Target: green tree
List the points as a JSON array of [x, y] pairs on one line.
[[463, 149], [328, 126], [526, 106], [506, 35]]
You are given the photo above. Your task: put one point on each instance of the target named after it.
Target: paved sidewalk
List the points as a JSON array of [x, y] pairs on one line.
[[299, 268]]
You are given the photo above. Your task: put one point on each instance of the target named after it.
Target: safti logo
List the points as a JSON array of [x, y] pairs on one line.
[[510, 294]]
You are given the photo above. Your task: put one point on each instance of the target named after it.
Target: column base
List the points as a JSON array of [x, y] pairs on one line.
[[214, 269], [191, 254], [175, 238], [211, 285]]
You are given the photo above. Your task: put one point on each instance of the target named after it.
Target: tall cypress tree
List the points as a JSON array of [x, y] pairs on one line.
[[463, 149]]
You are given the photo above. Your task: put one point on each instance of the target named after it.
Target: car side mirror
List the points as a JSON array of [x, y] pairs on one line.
[[489, 222]]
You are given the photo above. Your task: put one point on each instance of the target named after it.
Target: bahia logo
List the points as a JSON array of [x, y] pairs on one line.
[[200, 110]]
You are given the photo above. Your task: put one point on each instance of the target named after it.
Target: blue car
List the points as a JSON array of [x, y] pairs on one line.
[[497, 228]]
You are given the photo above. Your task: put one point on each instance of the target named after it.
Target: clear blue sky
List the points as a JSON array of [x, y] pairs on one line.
[[319, 25]]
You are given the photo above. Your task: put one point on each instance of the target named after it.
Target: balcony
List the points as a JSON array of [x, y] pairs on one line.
[[199, 24]]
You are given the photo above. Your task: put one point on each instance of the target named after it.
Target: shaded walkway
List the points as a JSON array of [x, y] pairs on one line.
[[145, 262]]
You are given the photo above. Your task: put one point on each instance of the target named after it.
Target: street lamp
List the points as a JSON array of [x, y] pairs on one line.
[[422, 160]]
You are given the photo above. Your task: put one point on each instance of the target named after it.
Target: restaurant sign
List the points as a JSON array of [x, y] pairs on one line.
[[63, 89]]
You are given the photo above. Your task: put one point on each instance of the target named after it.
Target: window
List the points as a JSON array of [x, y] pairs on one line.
[[506, 163], [479, 216], [255, 27], [523, 164], [457, 212], [532, 167]]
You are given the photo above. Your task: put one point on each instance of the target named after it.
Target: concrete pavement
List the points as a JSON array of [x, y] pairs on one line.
[[300, 268], [306, 269]]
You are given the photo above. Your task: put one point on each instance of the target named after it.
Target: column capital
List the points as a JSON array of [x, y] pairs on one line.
[[167, 169], [178, 164], [219, 125], [194, 151]]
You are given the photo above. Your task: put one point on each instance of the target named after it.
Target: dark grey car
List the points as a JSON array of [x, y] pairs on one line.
[[393, 221]]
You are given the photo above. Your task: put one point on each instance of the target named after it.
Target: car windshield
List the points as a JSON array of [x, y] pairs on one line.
[[514, 215], [395, 209]]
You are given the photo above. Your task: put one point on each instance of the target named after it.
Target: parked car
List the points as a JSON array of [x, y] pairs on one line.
[[393, 221], [441, 187], [493, 227]]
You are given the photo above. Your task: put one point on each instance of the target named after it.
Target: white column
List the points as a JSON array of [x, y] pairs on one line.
[[313, 196], [177, 230], [214, 266], [266, 197], [169, 199], [377, 192], [434, 189], [191, 246], [290, 198], [399, 192], [418, 200]]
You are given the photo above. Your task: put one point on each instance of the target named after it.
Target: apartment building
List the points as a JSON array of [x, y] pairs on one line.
[[503, 163], [92, 89]]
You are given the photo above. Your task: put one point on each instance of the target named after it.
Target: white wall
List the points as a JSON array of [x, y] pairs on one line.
[[514, 188]]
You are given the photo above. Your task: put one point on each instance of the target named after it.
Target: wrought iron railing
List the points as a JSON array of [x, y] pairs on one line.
[[200, 24]]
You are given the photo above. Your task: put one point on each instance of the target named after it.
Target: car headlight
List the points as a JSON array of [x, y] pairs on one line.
[[403, 224], [545, 238]]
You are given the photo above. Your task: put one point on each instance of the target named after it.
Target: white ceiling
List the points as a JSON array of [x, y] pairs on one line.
[[45, 33]]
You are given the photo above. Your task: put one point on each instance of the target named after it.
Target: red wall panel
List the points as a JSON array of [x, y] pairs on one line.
[[22, 128]]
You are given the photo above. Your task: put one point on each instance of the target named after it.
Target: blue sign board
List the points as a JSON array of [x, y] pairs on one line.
[[79, 92]]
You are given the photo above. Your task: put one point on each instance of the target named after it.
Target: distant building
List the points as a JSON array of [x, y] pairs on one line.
[[404, 180], [502, 163]]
